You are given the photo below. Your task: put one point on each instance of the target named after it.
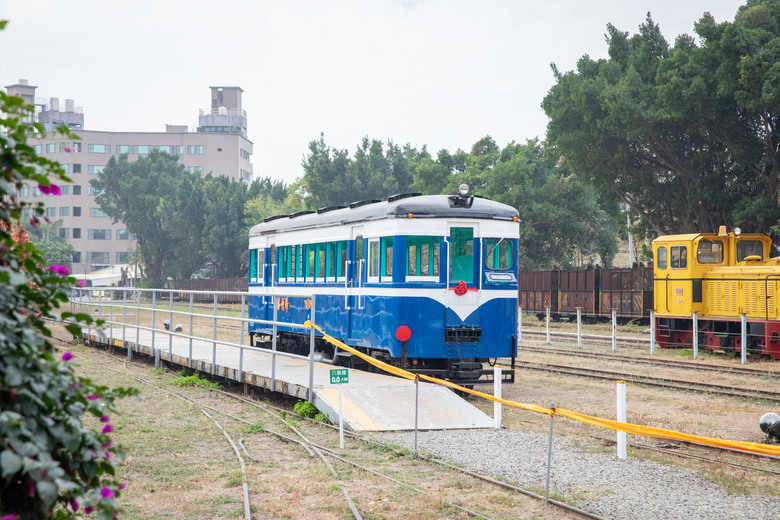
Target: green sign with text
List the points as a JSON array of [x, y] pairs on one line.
[[339, 376]]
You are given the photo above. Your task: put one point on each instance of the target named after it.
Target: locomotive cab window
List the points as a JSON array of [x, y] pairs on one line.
[[422, 258], [661, 260], [747, 248], [678, 257], [499, 254], [709, 252]]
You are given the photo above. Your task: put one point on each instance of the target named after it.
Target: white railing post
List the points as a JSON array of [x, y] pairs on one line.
[[695, 331], [273, 347], [547, 321], [652, 333], [614, 330], [743, 338], [497, 394], [214, 341], [519, 325], [621, 417], [311, 352], [579, 327], [192, 298]]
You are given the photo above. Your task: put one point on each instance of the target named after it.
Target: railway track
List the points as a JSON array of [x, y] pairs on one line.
[[658, 382], [669, 363], [307, 437]]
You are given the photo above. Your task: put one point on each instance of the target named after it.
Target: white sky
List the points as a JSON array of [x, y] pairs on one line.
[[439, 72]]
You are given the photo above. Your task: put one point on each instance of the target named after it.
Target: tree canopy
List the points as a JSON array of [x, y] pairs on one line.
[[687, 135]]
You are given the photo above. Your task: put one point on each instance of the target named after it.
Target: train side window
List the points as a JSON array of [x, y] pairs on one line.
[[341, 254], [373, 260], [678, 257], [309, 274], [499, 254], [330, 261], [261, 265], [272, 265], [387, 259], [709, 252], [661, 260], [253, 265], [320, 277], [359, 259], [298, 263], [749, 248]]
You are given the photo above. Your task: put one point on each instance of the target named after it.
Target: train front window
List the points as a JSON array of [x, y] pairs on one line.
[[709, 252], [499, 254], [749, 248], [462, 255], [422, 257], [678, 257]]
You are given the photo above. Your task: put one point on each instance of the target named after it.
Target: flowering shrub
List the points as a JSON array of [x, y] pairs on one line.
[[51, 465]]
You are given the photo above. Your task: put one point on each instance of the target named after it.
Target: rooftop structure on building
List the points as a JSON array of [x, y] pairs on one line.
[[219, 145]]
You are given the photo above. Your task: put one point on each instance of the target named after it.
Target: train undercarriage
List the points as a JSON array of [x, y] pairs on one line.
[[762, 338], [462, 371]]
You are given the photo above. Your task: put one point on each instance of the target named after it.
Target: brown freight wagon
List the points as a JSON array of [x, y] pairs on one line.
[[595, 291]]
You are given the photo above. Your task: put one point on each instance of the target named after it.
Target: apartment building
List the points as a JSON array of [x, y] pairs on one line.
[[219, 145]]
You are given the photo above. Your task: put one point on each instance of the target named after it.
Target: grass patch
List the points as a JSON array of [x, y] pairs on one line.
[[194, 380]]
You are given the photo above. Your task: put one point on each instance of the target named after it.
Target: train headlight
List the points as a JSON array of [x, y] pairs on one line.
[[463, 190], [737, 231]]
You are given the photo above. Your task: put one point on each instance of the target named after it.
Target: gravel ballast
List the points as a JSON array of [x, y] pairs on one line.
[[599, 483]]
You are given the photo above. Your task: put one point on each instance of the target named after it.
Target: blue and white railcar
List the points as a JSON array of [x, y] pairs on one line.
[[436, 271]]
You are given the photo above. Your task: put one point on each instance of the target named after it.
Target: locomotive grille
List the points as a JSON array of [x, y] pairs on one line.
[[754, 297], [462, 334]]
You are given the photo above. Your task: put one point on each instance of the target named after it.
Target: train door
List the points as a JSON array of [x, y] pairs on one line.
[[355, 284], [462, 257]]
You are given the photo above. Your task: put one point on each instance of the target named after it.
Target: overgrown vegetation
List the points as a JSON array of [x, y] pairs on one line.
[[51, 464]]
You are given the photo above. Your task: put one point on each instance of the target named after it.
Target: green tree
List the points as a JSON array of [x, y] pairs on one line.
[[686, 135], [51, 465], [60, 253], [134, 193], [224, 225]]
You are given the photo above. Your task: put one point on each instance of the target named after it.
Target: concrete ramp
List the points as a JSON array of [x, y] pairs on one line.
[[389, 406], [371, 402]]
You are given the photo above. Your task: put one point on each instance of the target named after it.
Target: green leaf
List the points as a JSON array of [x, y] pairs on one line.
[[47, 491], [10, 463]]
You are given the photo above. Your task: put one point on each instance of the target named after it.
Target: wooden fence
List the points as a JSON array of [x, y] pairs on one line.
[[212, 284]]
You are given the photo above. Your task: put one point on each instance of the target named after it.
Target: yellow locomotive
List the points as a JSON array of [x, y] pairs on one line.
[[720, 277]]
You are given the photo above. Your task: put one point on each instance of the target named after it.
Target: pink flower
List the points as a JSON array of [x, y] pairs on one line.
[[107, 428], [67, 356], [123, 486], [34, 222], [108, 454], [61, 270], [51, 189], [12, 516], [88, 510], [297, 495], [105, 418], [73, 504], [93, 397], [82, 283], [107, 492], [68, 149]]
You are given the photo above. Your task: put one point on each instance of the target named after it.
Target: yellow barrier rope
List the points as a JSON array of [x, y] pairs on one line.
[[602, 381], [636, 429]]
